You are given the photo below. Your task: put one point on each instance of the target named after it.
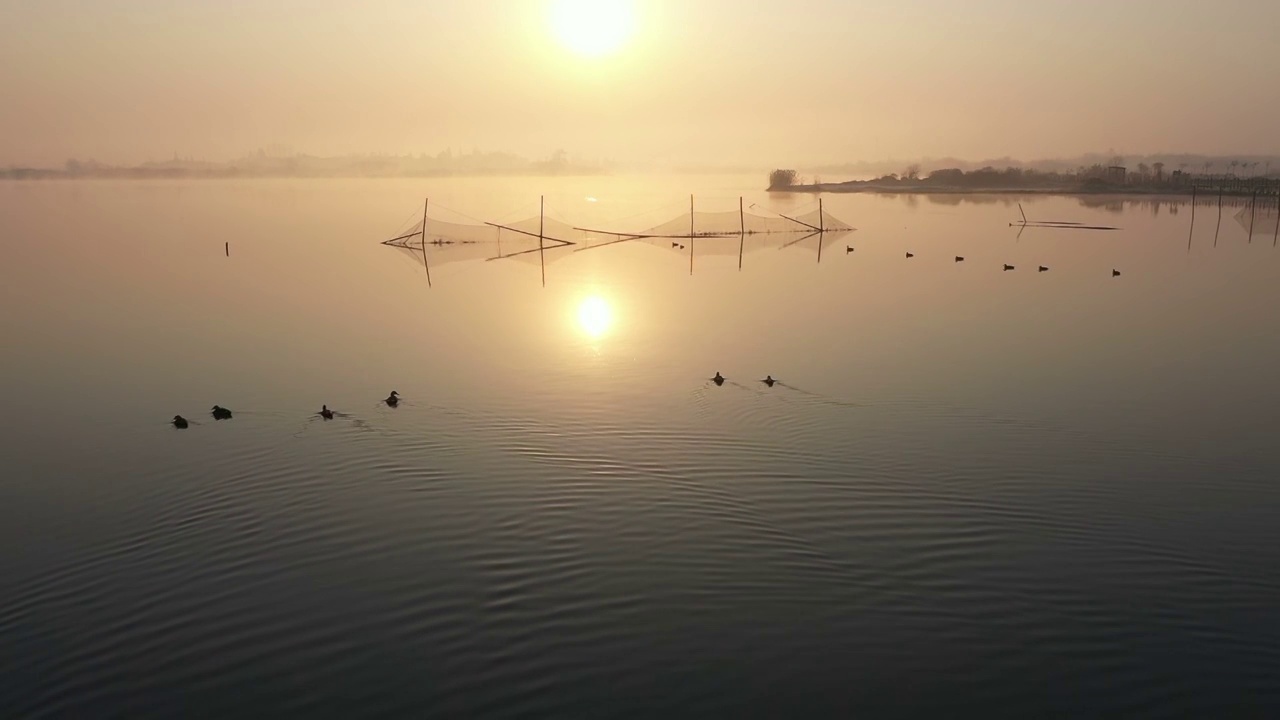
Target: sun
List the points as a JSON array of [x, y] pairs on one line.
[[595, 316], [592, 28]]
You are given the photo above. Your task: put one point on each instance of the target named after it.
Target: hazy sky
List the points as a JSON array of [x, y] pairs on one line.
[[723, 81]]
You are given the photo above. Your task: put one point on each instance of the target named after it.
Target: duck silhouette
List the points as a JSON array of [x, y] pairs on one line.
[[768, 380], [180, 422], [718, 379], [910, 255], [325, 412], [220, 413], [959, 259], [848, 249], [1115, 273], [1044, 269], [393, 399], [1007, 268]]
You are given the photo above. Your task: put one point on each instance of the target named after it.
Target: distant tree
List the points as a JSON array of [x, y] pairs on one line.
[[1234, 164], [1144, 171], [1159, 167], [782, 179], [1117, 160], [74, 166], [912, 172], [948, 175]]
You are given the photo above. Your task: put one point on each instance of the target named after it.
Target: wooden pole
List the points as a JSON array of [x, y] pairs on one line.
[[1193, 218], [691, 234], [1219, 228], [821, 231], [426, 204], [742, 230], [542, 258], [1253, 209], [1276, 238], [227, 247]]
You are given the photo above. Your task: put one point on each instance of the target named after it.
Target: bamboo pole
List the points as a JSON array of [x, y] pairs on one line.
[[426, 204], [1253, 209], [1193, 218], [691, 235], [1219, 228], [742, 230], [542, 258], [821, 231]]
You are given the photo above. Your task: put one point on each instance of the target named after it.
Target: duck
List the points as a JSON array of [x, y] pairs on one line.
[[768, 380], [675, 244], [718, 379], [325, 412], [910, 255], [180, 422], [221, 413], [1008, 267], [393, 399], [1115, 273], [848, 249], [959, 259], [1044, 268]]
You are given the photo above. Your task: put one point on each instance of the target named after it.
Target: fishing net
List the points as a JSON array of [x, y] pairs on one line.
[[702, 224], [544, 239]]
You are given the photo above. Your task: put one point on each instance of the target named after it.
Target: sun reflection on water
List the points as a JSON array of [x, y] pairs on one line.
[[595, 316]]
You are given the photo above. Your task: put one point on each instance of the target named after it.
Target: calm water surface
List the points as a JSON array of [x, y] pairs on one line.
[[977, 492]]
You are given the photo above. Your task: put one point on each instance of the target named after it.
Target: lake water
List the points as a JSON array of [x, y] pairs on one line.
[[977, 492]]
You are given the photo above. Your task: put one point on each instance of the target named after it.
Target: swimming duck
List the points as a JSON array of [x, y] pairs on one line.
[[1115, 273], [393, 399], [325, 412], [179, 422], [848, 249], [1044, 269], [959, 259], [718, 379], [768, 380], [910, 255], [221, 413], [1008, 267]]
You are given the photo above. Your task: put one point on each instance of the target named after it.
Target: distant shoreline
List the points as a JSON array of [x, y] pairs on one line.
[[131, 174], [878, 189]]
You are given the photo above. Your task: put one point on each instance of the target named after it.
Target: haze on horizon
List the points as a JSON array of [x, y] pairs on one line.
[[661, 81]]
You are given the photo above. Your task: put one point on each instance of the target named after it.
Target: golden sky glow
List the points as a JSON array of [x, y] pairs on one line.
[[660, 82]]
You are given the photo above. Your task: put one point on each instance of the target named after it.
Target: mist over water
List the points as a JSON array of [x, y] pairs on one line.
[[973, 491]]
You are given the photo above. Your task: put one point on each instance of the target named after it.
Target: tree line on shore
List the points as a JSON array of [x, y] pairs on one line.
[[1098, 176]]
